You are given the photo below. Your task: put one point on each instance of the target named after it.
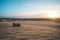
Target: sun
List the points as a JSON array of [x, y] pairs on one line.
[[53, 15]]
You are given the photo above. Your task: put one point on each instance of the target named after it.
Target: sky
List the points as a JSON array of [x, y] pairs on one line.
[[28, 8]]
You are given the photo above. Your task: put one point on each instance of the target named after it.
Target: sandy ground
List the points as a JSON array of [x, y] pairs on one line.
[[30, 30]]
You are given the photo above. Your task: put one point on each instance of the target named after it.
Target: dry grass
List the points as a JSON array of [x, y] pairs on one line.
[[29, 30]]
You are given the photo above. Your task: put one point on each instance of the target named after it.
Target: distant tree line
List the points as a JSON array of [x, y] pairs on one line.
[[27, 19]]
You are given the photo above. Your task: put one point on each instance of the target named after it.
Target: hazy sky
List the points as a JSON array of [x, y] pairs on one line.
[[28, 8]]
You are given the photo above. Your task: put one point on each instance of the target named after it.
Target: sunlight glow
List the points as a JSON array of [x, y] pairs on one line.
[[53, 15]]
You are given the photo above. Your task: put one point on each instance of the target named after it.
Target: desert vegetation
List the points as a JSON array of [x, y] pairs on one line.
[[30, 30]]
